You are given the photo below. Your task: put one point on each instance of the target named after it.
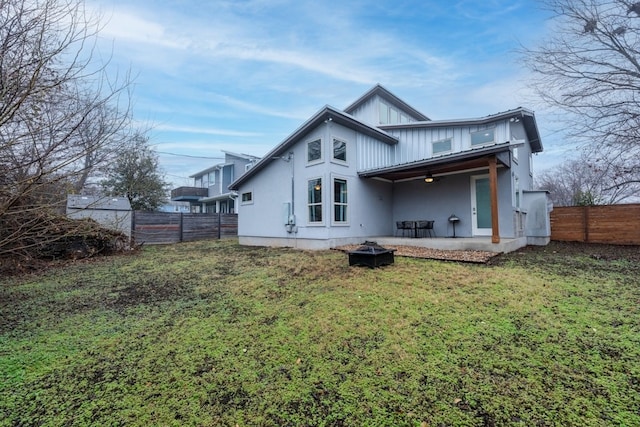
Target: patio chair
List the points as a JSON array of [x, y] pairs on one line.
[[425, 227], [404, 226]]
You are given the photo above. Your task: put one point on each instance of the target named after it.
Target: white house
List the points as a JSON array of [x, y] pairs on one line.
[[345, 176]]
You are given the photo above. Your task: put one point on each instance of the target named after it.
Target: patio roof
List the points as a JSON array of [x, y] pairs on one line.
[[467, 160]]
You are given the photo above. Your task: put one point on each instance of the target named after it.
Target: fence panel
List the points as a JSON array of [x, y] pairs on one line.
[[616, 224], [155, 227], [161, 227]]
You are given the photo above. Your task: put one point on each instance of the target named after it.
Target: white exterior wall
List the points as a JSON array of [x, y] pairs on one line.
[[369, 202]]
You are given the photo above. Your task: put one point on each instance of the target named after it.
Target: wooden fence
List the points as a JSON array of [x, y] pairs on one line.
[[616, 224], [161, 227]]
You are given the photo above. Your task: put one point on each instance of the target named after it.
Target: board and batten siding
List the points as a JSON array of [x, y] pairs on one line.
[[373, 153], [415, 144]]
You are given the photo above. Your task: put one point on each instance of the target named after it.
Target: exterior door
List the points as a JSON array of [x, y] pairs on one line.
[[480, 205]]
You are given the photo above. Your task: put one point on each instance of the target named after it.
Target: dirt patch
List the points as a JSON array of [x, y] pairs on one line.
[[480, 257]]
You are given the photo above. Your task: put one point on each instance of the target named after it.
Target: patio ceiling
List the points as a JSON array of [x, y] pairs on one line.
[[459, 162]]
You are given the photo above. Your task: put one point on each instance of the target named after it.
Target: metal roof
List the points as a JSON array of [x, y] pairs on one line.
[[77, 201]]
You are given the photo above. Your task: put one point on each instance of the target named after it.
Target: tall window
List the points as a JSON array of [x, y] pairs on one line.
[[315, 200], [339, 150], [314, 150], [339, 200], [485, 136]]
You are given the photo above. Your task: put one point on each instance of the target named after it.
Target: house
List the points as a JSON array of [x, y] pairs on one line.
[[210, 192], [345, 176], [110, 212]]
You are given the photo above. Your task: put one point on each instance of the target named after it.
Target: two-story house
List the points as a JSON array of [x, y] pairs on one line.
[[210, 192], [345, 176]]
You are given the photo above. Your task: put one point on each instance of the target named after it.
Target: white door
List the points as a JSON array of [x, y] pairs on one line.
[[480, 205]]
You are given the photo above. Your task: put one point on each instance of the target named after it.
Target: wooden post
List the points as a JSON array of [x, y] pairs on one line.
[[493, 192]]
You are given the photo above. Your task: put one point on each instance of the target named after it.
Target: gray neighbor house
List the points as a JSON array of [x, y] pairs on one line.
[[379, 168], [210, 192]]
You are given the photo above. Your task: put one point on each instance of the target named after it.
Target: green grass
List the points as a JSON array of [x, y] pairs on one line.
[[212, 333]]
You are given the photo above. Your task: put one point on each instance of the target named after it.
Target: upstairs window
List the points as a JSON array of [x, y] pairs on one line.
[[443, 146], [314, 151], [389, 115], [339, 150], [482, 137]]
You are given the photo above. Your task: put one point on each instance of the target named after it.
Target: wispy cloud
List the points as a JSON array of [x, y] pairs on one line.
[[205, 130]]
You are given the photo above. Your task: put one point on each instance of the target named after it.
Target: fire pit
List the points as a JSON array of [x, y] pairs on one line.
[[371, 254]]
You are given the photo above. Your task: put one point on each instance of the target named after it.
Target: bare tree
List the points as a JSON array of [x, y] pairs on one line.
[[60, 114], [590, 69], [588, 180]]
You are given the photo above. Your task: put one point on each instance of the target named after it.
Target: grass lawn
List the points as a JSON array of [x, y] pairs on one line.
[[212, 333]]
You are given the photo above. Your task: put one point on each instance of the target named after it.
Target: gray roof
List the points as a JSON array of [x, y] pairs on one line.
[[76, 201]]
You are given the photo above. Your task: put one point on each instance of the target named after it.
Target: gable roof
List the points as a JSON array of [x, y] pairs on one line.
[[527, 116], [388, 96], [325, 114]]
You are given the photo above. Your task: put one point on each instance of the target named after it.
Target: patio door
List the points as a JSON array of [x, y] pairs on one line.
[[480, 206]]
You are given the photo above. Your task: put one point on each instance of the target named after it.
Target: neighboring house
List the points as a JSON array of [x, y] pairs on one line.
[[349, 175], [110, 212], [210, 192]]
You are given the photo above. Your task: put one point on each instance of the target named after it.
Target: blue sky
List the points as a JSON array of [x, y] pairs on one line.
[[241, 75]]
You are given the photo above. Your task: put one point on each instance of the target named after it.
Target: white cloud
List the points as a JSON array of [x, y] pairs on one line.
[[205, 130]]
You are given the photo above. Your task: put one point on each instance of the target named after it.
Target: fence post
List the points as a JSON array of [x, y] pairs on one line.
[[219, 225], [181, 228], [585, 217]]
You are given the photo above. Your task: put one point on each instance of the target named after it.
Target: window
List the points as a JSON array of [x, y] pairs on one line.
[[339, 200], [314, 150], [442, 146], [391, 115], [485, 136], [515, 154], [516, 185], [247, 197], [315, 200], [339, 150]]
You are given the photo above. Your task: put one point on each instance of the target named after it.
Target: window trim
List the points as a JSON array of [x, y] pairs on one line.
[[335, 203], [314, 203], [318, 160], [246, 202], [333, 152]]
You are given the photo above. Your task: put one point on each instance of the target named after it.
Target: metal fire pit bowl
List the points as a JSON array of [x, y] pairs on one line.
[[372, 255]]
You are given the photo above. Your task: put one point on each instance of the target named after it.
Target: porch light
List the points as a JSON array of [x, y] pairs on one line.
[[429, 178]]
